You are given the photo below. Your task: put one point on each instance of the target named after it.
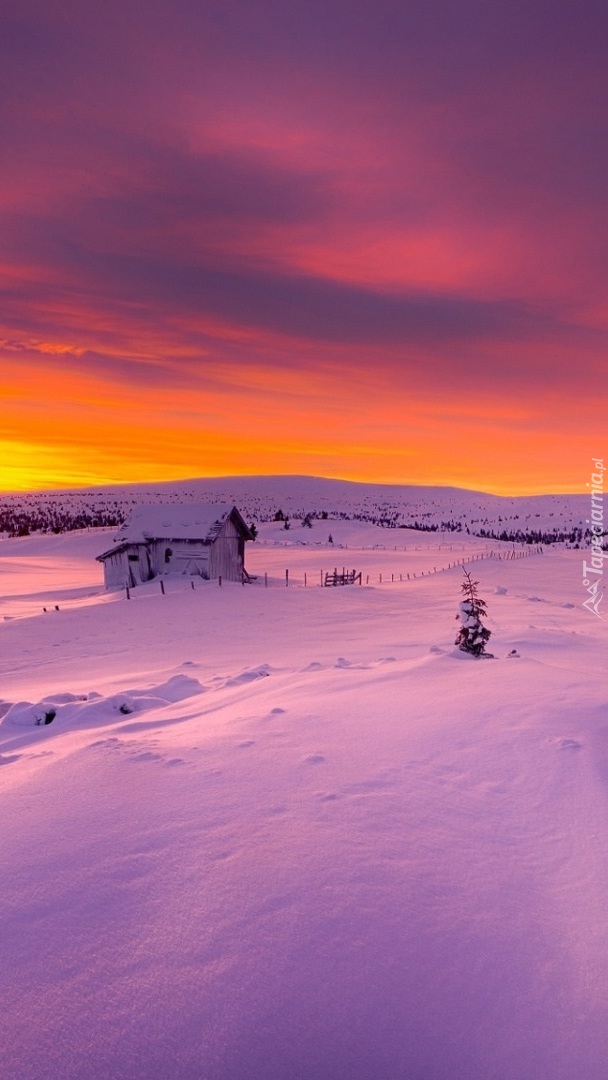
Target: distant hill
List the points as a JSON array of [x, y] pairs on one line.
[[549, 518]]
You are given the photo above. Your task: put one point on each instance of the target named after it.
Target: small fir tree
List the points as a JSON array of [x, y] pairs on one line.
[[473, 635]]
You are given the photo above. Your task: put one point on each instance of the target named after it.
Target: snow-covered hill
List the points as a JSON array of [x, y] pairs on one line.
[[264, 832], [260, 497]]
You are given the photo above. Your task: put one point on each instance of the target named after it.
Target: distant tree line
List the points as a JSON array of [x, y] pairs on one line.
[[575, 537], [21, 515], [22, 519], [444, 526]]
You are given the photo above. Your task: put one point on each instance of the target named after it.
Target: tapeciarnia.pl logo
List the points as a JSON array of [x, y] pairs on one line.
[[593, 571]]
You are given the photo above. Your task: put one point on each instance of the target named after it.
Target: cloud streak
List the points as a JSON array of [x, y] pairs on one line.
[[219, 200]]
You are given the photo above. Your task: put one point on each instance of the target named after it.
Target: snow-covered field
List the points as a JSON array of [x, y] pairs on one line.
[[290, 833]]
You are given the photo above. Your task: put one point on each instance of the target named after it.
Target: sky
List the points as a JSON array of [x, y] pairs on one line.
[[339, 238]]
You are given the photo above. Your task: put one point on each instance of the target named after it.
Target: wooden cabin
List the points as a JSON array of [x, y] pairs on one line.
[[203, 540]]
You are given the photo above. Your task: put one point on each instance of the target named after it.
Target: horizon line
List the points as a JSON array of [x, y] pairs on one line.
[[129, 484]]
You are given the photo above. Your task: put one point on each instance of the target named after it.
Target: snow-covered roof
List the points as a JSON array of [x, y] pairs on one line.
[[175, 521]]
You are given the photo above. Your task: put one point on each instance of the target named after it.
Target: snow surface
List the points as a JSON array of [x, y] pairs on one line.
[[293, 833]]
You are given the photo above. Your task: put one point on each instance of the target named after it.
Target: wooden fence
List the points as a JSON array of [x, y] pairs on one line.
[[346, 577]]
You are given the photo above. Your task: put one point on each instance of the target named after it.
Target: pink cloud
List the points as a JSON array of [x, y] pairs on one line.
[[202, 197]]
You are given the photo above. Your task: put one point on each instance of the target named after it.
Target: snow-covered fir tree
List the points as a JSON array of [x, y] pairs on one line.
[[473, 635]]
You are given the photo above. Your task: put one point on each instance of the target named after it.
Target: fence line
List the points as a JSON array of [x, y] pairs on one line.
[[357, 577], [354, 577]]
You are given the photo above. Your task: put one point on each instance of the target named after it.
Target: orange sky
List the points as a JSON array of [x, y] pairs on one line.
[[365, 245]]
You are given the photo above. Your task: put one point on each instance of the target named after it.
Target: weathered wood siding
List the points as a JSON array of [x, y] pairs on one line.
[[128, 567], [180, 557], [227, 553], [115, 571]]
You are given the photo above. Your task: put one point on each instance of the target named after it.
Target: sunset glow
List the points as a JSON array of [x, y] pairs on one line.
[[256, 239]]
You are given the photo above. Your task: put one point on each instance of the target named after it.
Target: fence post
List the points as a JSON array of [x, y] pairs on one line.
[[220, 581], [128, 593], [286, 578], [265, 580], [305, 580], [162, 586]]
